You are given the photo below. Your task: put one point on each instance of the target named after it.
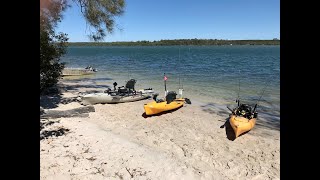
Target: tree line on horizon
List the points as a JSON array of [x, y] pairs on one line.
[[174, 42]]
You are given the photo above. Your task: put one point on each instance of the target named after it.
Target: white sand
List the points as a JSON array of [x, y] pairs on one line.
[[117, 142]]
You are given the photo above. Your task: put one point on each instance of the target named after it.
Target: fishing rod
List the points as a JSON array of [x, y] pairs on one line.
[[255, 106], [180, 83], [179, 72], [238, 100], [129, 70]]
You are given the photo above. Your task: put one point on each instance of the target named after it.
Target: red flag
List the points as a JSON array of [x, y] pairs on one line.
[[165, 77]]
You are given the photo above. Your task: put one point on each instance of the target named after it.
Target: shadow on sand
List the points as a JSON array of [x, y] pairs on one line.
[[159, 114], [84, 79], [92, 84], [52, 99], [76, 87], [59, 132], [44, 134], [213, 108]]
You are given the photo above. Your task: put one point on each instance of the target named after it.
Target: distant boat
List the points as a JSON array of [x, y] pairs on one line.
[[78, 71]]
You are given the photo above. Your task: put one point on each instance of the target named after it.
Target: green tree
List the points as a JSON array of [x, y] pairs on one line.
[[98, 13], [52, 46]]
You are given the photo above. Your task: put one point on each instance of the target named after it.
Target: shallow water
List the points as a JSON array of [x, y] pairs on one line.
[[208, 74]]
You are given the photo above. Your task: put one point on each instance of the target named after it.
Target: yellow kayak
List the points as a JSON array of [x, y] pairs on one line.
[[241, 124], [158, 107]]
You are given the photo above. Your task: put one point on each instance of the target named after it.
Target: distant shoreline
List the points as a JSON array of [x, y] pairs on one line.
[[177, 42]]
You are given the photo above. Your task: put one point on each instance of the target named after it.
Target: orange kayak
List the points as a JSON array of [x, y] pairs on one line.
[[241, 124], [158, 107]]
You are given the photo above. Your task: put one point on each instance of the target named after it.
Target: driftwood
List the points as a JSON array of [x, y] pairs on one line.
[[77, 112]]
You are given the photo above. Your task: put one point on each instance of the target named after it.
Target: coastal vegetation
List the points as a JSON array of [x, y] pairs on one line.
[[52, 44], [194, 42], [99, 14]]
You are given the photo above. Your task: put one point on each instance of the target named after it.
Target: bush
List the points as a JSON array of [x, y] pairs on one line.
[[52, 47]]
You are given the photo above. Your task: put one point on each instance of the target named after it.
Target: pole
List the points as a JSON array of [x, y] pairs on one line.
[[260, 97], [239, 91], [165, 85]]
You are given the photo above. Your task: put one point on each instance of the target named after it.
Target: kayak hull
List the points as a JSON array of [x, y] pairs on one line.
[[104, 98], [241, 124], [154, 107]]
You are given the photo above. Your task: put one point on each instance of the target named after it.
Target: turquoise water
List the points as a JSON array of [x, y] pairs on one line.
[[208, 74]]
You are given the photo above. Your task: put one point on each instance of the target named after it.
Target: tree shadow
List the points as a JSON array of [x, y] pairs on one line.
[[159, 114], [268, 122], [213, 108], [45, 134], [49, 133], [91, 81], [84, 79], [45, 123], [50, 101], [53, 96], [78, 86]]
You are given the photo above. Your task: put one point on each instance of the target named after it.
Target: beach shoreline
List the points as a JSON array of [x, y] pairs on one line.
[[117, 142]]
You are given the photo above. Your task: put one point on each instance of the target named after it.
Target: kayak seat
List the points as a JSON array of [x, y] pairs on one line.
[[156, 99], [110, 92], [171, 96], [244, 110], [122, 89], [130, 84]]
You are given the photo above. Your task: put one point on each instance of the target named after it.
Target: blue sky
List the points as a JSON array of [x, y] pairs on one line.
[[184, 19]]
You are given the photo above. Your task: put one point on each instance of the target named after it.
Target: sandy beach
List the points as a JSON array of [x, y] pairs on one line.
[[117, 142]]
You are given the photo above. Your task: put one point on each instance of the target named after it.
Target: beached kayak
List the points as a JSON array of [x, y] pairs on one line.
[[241, 124], [158, 107], [103, 98], [243, 118]]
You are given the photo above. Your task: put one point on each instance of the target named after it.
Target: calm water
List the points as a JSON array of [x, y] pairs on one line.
[[208, 74]]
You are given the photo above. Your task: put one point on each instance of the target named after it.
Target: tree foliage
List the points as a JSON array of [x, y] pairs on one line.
[[52, 47], [98, 13]]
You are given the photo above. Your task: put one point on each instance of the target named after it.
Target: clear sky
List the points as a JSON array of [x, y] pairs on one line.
[[184, 19]]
